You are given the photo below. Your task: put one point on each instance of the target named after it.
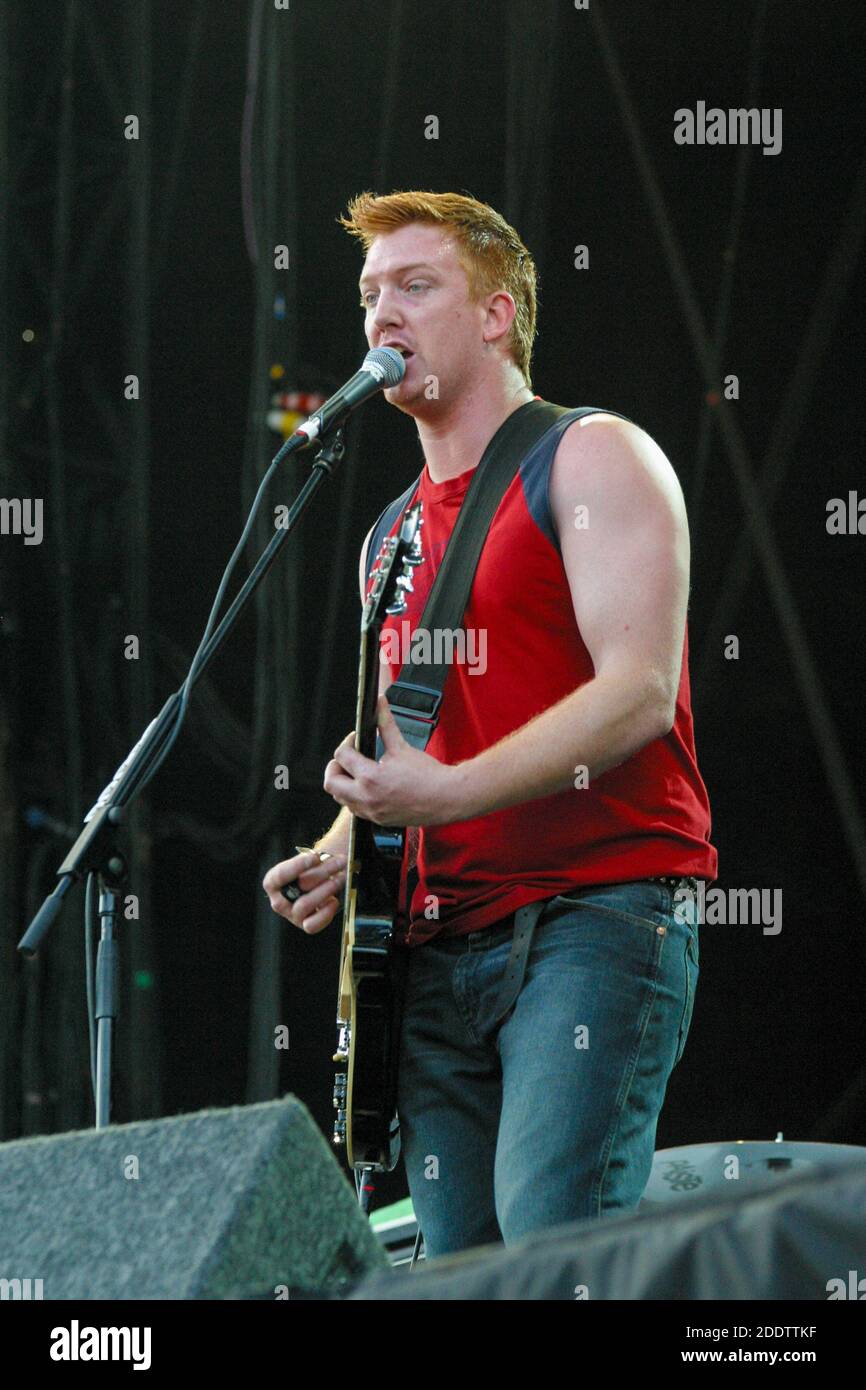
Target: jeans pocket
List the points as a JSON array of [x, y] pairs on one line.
[[643, 902], [691, 964]]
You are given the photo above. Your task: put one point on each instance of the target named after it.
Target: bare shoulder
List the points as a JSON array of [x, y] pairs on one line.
[[604, 455]]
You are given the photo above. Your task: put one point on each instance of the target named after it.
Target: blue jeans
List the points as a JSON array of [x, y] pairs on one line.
[[550, 1115]]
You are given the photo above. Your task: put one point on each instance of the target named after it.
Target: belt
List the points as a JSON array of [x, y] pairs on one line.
[[525, 919]]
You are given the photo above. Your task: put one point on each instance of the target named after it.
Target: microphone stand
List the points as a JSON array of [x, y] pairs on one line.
[[95, 850]]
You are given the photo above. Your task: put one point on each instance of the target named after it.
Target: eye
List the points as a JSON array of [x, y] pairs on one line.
[[416, 285], [366, 298]]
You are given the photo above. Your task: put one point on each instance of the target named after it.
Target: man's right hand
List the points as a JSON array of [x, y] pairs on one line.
[[322, 885]]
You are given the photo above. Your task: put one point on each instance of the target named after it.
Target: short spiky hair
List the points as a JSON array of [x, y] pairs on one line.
[[490, 251]]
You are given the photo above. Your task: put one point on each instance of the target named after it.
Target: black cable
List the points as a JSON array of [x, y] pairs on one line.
[[211, 624]]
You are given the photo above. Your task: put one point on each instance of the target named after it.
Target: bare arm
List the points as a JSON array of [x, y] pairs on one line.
[[628, 572]]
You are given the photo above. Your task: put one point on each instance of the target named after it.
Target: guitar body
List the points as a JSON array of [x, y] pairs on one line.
[[377, 971], [372, 966]]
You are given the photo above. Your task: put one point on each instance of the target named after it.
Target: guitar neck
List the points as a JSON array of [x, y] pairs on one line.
[[365, 727], [397, 558]]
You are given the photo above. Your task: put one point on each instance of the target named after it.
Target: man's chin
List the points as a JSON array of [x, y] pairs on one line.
[[410, 399]]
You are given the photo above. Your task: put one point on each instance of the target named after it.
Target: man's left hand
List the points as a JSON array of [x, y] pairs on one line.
[[405, 787]]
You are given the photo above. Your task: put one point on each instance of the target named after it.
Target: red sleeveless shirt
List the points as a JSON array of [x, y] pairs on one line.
[[647, 817]]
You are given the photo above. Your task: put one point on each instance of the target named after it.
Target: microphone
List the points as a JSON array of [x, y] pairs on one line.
[[381, 368]]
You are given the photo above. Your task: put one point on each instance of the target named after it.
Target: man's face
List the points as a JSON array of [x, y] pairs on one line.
[[415, 295]]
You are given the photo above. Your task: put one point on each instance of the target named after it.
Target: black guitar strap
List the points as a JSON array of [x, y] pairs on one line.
[[415, 696]]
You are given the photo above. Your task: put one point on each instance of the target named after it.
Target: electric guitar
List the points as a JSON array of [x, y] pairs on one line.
[[371, 968]]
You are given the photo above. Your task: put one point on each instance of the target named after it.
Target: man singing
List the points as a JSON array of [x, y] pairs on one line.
[[562, 772]]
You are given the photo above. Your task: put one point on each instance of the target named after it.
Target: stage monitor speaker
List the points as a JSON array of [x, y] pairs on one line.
[[792, 1238], [194, 1206]]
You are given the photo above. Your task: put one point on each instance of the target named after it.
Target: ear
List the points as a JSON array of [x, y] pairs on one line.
[[499, 318]]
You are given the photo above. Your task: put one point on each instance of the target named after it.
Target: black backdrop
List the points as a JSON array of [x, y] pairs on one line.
[[528, 120]]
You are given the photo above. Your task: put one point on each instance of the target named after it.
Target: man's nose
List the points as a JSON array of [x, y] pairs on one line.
[[386, 312]]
